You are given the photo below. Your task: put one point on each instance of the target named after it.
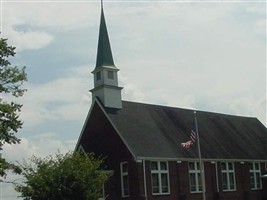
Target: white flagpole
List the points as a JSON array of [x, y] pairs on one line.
[[201, 165]]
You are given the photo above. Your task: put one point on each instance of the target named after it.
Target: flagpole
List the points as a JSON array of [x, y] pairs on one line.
[[201, 165]]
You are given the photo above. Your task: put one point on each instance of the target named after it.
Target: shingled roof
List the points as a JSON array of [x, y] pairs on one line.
[[153, 131]]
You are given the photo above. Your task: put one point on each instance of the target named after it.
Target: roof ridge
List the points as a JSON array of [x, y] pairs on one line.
[[191, 109]]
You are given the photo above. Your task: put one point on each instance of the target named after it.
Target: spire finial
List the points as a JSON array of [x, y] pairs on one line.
[[102, 4]]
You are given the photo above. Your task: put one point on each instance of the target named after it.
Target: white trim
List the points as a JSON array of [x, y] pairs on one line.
[[228, 172], [105, 86], [217, 177], [195, 171], [87, 118], [113, 68], [123, 174], [254, 172], [115, 128], [159, 172], [81, 149], [144, 172], [194, 159], [84, 125]]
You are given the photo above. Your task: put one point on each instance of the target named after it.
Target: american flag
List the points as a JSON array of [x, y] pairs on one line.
[[193, 137]]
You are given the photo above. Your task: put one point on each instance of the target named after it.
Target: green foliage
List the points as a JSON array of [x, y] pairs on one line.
[[11, 80], [63, 177]]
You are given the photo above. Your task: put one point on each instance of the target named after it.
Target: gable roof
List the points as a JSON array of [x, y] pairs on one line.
[[153, 131]]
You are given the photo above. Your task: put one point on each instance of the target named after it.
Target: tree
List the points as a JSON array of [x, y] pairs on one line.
[[64, 177], [11, 80]]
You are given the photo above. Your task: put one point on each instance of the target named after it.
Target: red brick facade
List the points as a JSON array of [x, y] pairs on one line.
[[180, 185]]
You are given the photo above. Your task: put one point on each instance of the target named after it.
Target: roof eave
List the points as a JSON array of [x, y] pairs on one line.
[[194, 159]]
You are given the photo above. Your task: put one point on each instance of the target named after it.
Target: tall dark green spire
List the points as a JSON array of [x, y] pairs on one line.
[[104, 54], [106, 88]]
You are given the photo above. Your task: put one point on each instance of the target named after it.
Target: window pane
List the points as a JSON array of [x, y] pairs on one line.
[[163, 165], [126, 185], [98, 76], [154, 166], [251, 166], [258, 180], [192, 182], [164, 183], [110, 74], [125, 182], [223, 165], [232, 181], [198, 166], [257, 166], [164, 180], [155, 183], [230, 166], [199, 182], [124, 179], [224, 181], [124, 168], [191, 166], [252, 182]]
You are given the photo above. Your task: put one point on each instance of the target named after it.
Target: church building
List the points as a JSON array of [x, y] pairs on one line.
[[142, 145]]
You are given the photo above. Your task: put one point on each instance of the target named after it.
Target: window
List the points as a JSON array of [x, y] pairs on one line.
[[98, 76], [110, 74], [81, 150], [160, 177], [125, 192], [195, 177], [228, 176], [255, 176]]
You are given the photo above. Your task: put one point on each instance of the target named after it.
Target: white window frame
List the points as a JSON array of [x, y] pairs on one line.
[[124, 174], [81, 150], [253, 174], [159, 172], [196, 172], [228, 172]]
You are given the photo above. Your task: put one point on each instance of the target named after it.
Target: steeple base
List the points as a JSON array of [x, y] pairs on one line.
[[110, 96]]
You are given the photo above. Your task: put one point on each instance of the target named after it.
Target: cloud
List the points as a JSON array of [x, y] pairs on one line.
[[7, 190], [32, 25], [130, 90], [65, 98], [29, 39], [168, 54], [41, 147], [206, 56]]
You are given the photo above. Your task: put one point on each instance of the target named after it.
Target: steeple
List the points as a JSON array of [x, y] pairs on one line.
[[104, 54], [106, 87]]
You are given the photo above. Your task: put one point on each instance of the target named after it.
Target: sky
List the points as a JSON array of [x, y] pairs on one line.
[[204, 55]]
